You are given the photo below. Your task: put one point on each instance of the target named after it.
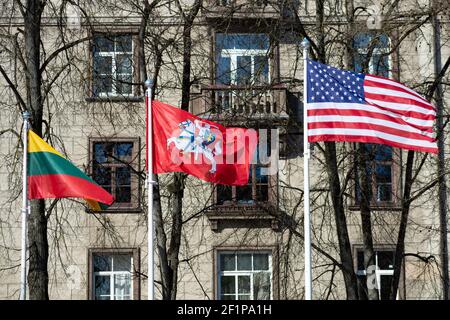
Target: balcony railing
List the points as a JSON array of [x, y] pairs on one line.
[[219, 101], [241, 8]]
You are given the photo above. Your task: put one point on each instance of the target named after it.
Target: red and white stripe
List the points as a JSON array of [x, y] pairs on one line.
[[392, 114]]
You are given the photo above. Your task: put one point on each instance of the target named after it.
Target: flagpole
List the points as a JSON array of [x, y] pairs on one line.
[[306, 156], [23, 252], [149, 184]]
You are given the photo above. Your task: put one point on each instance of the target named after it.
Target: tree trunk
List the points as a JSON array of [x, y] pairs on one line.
[[366, 223], [345, 250], [37, 221], [400, 248]]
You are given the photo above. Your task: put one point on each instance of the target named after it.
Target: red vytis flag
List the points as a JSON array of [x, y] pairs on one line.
[[207, 150]]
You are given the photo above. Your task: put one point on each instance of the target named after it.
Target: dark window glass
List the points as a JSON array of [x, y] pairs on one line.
[[112, 169], [112, 65], [242, 59]]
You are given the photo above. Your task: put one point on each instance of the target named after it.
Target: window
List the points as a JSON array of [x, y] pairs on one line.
[[380, 170], [384, 271], [112, 65], [114, 274], [244, 275], [242, 59], [372, 54], [256, 191], [114, 166]]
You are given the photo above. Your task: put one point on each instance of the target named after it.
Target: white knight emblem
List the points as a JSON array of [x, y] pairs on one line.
[[198, 137]]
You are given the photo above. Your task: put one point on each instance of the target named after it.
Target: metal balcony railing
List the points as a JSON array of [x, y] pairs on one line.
[[259, 101]]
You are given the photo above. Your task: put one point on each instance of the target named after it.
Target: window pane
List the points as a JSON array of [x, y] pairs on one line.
[[260, 261], [227, 284], [102, 287], [122, 262], [100, 155], [124, 43], [123, 151], [223, 75], [102, 84], [123, 184], [103, 44], [103, 65], [243, 284], [386, 282], [383, 173], [262, 192], [102, 262], [385, 260], [224, 193], [244, 297], [227, 297], [261, 286], [124, 64], [102, 175], [261, 69], [383, 152], [381, 65], [244, 194], [244, 262], [360, 62], [384, 192], [261, 178], [244, 70], [123, 84], [122, 287], [227, 262], [360, 258]]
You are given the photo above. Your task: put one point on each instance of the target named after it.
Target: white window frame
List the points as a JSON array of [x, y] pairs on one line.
[[114, 74], [378, 272], [112, 275], [377, 51], [233, 54], [237, 273]]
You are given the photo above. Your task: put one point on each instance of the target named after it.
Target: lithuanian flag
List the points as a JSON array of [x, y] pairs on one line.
[[50, 175]]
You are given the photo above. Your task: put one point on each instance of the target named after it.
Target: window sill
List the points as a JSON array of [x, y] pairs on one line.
[[117, 211], [378, 207], [265, 214], [115, 99]]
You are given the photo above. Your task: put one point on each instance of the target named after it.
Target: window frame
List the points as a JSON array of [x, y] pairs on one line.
[[394, 203], [273, 266], [136, 90], [381, 248], [135, 206], [135, 269], [272, 52], [395, 163]]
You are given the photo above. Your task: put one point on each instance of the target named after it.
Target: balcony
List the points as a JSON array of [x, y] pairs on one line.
[[218, 9], [222, 102]]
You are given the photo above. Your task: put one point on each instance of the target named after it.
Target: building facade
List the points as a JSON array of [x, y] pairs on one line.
[[245, 69]]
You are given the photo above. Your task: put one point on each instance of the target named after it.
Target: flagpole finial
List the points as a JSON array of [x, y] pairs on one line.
[[26, 115], [305, 43], [148, 83]]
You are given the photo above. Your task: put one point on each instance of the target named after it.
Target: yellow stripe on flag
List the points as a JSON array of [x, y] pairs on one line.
[[95, 206], [36, 144]]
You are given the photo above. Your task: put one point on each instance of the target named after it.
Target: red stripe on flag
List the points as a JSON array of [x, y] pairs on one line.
[[65, 186], [394, 99], [370, 126], [363, 113], [368, 139], [371, 83]]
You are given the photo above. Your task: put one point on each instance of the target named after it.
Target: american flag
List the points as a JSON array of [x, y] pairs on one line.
[[356, 107]]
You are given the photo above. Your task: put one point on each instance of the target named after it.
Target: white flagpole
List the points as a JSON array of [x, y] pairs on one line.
[[306, 156], [149, 184], [23, 253]]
